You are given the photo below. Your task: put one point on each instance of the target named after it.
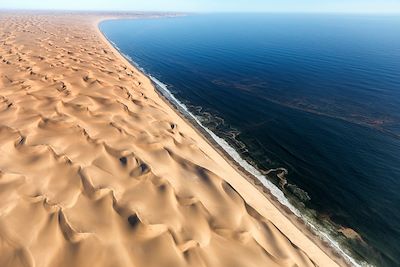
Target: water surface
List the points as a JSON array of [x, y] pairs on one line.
[[317, 95]]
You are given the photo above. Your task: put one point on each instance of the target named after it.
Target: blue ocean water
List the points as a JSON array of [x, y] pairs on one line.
[[318, 95]]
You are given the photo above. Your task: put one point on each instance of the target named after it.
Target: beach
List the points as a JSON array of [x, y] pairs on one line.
[[96, 168]]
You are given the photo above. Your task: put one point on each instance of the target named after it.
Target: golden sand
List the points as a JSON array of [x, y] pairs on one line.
[[97, 170]]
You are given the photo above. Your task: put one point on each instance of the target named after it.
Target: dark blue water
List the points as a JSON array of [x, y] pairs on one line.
[[316, 94]]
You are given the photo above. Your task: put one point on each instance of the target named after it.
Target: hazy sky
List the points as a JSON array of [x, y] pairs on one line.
[[211, 5]]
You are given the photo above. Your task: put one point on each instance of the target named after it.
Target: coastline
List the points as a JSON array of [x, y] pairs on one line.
[[105, 168], [304, 227]]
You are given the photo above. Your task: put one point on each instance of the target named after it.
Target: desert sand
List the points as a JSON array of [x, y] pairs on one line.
[[96, 169]]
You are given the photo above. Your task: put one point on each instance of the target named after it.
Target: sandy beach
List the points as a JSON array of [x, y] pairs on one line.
[[96, 169]]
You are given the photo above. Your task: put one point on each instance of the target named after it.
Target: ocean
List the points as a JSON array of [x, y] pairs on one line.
[[313, 95]]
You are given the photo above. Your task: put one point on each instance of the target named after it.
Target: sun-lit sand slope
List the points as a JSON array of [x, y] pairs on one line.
[[96, 170]]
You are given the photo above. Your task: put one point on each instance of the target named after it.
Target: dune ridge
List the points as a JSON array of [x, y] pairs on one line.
[[97, 170]]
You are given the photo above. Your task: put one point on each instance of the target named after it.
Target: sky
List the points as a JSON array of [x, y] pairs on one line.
[[352, 6]]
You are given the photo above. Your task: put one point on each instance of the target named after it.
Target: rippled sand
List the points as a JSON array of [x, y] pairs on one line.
[[97, 170]]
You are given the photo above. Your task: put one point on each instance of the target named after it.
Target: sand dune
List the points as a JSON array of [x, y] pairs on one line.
[[97, 170]]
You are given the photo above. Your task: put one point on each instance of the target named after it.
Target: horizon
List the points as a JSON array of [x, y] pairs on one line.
[[310, 12], [209, 6]]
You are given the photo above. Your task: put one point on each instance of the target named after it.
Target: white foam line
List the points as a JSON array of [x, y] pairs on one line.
[[248, 167], [242, 162]]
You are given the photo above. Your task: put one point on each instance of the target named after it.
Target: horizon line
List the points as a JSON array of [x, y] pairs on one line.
[[382, 12]]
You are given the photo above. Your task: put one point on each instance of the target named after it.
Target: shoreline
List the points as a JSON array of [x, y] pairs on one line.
[[306, 228]]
